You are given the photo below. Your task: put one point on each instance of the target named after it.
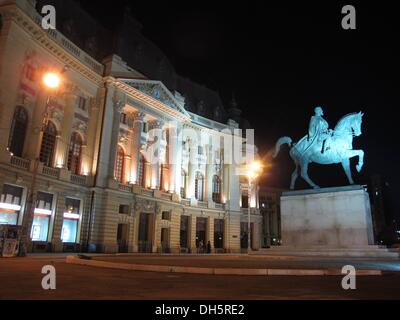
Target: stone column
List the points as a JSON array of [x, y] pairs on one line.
[[192, 234], [35, 126], [210, 232], [155, 154], [118, 106], [107, 111], [136, 145], [209, 173], [173, 156], [56, 242], [178, 165], [65, 136], [190, 193]]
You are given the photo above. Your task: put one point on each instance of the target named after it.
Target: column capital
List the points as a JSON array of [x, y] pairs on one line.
[[139, 116], [156, 124]]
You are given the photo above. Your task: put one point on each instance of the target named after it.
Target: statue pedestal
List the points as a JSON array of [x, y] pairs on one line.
[[330, 217]]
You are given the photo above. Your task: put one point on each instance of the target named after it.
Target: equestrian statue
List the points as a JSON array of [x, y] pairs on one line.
[[325, 146]]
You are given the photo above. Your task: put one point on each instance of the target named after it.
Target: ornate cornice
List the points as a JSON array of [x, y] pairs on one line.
[[54, 42]]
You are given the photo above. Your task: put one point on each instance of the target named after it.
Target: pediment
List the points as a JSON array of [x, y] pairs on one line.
[[158, 91]]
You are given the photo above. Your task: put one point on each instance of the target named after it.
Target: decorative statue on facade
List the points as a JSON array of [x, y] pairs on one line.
[[325, 146]]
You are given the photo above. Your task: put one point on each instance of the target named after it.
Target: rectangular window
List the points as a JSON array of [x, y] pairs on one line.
[[124, 209], [71, 219], [218, 233], [82, 103], [245, 201], [123, 118], [166, 215], [10, 204], [145, 127], [200, 150], [41, 216]]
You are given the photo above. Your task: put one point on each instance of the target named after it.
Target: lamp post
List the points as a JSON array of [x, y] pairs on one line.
[[253, 172], [51, 82]]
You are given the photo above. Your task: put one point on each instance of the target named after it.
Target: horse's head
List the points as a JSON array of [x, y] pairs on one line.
[[350, 124], [356, 124]]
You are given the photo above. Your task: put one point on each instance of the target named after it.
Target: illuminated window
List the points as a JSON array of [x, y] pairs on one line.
[[216, 189], [199, 186], [41, 217], [71, 219], [48, 144], [75, 153], [141, 180], [18, 131], [119, 165], [10, 204]]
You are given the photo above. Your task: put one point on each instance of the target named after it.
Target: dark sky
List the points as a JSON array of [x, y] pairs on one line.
[[282, 60]]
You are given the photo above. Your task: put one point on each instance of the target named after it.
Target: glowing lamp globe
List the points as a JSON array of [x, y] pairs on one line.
[[51, 80]]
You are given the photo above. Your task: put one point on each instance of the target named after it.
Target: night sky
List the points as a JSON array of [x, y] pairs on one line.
[[281, 61]]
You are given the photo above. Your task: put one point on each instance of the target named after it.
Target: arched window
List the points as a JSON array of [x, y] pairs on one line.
[[18, 131], [216, 189], [141, 175], [183, 183], [75, 153], [48, 144], [199, 184], [119, 165]]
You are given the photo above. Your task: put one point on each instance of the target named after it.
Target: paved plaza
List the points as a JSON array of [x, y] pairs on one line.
[[21, 279]]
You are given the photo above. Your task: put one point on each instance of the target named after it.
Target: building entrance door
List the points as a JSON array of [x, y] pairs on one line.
[[145, 243], [201, 229], [122, 237]]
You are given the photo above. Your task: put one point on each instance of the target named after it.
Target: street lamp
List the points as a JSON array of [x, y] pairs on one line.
[[253, 171], [50, 81]]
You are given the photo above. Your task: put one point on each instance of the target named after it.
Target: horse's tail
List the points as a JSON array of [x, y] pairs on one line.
[[280, 142]]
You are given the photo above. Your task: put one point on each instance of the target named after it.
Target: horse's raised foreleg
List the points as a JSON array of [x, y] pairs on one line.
[[346, 167], [304, 174], [359, 154]]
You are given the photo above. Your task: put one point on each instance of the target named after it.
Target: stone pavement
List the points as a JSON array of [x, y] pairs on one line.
[[21, 278]]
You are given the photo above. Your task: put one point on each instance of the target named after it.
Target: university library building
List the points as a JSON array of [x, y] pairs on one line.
[[105, 148]]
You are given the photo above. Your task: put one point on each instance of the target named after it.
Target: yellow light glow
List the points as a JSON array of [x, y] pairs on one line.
[[251, 174], [255, 166], [51, 80]]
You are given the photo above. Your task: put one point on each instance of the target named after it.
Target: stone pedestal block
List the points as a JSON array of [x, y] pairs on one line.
[[330, 217]]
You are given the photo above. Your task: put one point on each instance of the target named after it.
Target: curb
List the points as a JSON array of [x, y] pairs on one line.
[[217, 271]]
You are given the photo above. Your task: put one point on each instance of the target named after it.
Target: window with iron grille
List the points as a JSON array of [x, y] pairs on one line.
[[216, 189], [74, 153], [199, 186], [48, 144], [17, 135], [119, 165]]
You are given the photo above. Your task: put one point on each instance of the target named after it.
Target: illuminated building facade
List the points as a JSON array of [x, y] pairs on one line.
[[102, 186]]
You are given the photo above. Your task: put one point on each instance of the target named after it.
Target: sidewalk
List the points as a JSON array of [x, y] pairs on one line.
[[237, 264]]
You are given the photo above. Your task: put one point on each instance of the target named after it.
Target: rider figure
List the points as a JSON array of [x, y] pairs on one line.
[[319, 130]]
